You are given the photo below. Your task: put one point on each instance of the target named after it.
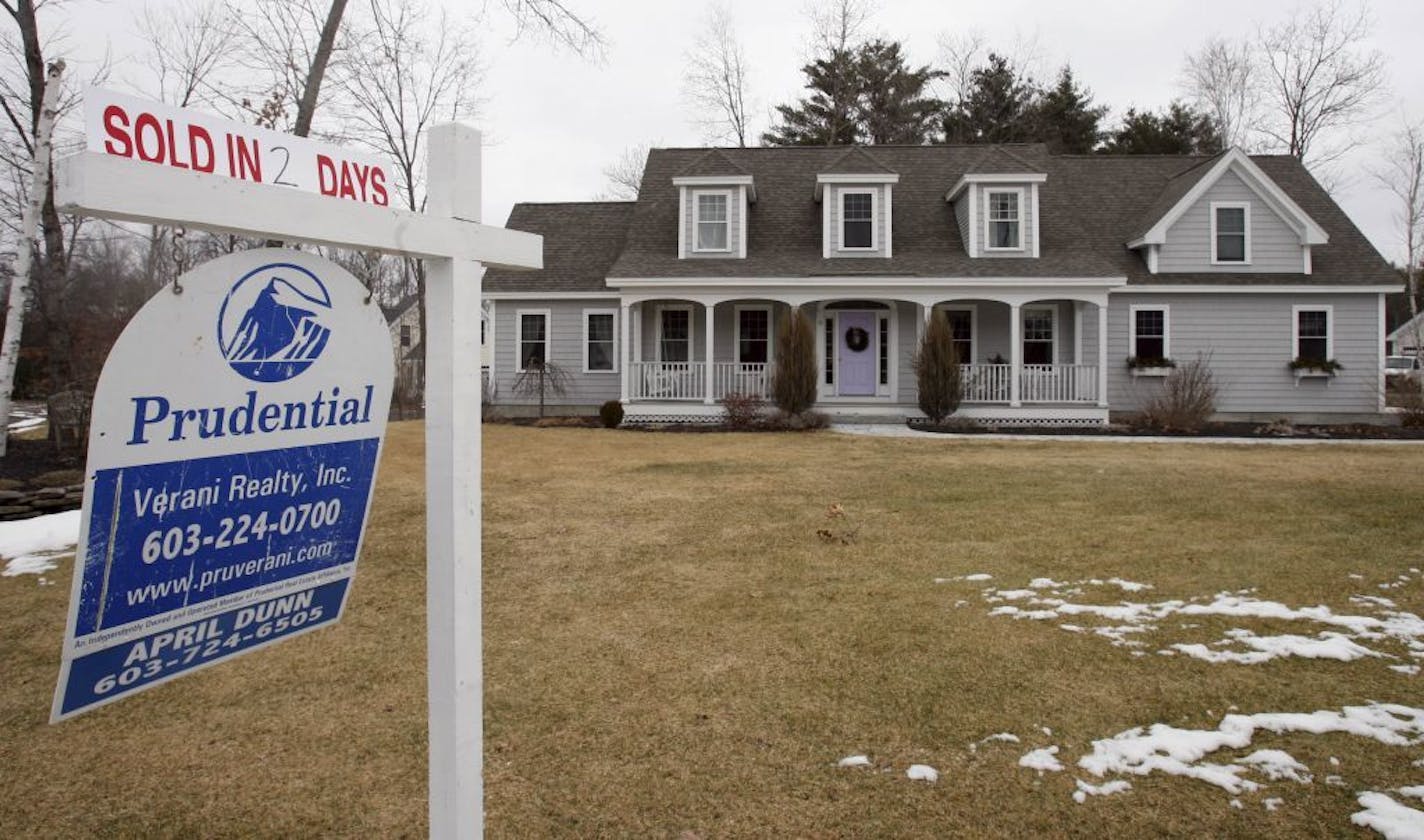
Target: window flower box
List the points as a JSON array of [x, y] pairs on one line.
[[1144, 366], [1304, 368]]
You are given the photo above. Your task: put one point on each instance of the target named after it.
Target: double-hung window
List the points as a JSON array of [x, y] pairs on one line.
[[598, 342], [1005, 220], [675, 335], [533, 338], [1230, 233], [961, 329], [1149, 332], [712, 222], [857, 220], [1038, 336], [754, 336], [1313, 340]]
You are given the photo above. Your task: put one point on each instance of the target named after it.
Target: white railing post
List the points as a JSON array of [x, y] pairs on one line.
[[1103, 355], [625, 340], [1015, 356], [711, 310]]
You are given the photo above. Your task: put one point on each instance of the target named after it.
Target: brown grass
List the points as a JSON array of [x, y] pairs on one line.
[[670, 648]]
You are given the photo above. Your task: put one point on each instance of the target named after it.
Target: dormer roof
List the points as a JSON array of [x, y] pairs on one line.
[[715, 169], [1184, 190], [856, 166]]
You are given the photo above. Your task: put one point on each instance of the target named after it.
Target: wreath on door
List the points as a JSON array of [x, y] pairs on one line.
[[857, 339]]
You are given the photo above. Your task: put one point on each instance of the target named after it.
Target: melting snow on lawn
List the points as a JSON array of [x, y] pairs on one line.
[[1388, 817], [854, 761], [1345, 638], [922, 773], [1042, 760], [32, 546], [1086, 790]]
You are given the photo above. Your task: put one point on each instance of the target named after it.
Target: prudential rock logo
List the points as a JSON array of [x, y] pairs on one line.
[[270, 325]]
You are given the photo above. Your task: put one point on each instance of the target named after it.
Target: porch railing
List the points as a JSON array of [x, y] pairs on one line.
[[1059, 383], [985, 383], [739, 378], [667, 381]]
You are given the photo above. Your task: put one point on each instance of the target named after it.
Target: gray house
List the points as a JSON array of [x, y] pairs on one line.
[[1068, 280]]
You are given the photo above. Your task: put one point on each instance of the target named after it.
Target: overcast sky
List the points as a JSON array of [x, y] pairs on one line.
[[553, 121]]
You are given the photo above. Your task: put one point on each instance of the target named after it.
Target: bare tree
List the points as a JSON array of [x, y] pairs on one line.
[[556, 23], [838, 25], [402, 76], [715, 81], [285, 49], [625, 175], [1320, 76], [188, 47], [1402, 173], [1222, 80], [964, 52]]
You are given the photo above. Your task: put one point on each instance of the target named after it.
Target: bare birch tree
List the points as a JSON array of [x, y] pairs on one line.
[[1320, 76], [1222, 81], [1402, 173], [714, 83]]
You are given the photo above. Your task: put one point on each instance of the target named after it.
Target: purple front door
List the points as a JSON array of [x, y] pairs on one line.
[[858, 349]]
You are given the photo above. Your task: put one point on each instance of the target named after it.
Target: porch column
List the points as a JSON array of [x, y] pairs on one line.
[[1103, 355], [709, 309], [638, 332], [923, 325], [1015, 354], [625, 324]]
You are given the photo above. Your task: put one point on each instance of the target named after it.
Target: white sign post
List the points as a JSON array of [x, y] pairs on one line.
[[114, 186]]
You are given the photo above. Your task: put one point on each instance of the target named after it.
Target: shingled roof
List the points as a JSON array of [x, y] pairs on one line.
[[1090, 207], [581, 242]]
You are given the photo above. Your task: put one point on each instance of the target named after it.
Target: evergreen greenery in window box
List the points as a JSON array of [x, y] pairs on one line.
[[1303, 367], [1150, 365]]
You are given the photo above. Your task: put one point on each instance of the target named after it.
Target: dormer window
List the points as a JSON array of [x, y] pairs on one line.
[[858, 220], [712, 221], [1230, 237], [1004, 222]]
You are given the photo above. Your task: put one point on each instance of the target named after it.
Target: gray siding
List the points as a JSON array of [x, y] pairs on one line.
[[734, 234], [1249, 340], [961, 217], [833, 194], [565, 350], [1274, 246], [982, 191]]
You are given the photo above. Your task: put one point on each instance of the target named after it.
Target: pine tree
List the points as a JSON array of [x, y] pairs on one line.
[[1180, 130], [1067, 120], [867, 95], [998, 109]]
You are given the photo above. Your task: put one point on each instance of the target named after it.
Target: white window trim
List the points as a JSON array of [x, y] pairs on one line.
[[1246, 250], [519, 335], [616, 353], [691, 333], [1052, 310], [737, 311], [697, 221], [874, 218], [1329, 311], [1166, 326], [973, 310], [989, 194]]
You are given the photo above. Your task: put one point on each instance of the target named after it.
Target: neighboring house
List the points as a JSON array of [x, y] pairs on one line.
[[1407, 338], [404, 320], [1053, 270]]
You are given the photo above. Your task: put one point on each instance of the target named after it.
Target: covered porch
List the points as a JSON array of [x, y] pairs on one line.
[[1030, 354]]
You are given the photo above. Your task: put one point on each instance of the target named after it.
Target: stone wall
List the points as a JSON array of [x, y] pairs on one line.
[[23, 504]]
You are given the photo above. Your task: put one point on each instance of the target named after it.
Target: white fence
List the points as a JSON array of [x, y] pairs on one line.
[[1059, 383], [985, 383], [738, 378], [666, 381]]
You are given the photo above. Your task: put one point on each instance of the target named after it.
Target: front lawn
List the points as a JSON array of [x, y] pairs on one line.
[[672, 651]]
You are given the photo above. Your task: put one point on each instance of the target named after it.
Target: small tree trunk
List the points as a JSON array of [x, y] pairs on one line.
[[29, 224]]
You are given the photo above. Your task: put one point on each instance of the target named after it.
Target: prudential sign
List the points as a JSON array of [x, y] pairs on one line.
[[232, 454]]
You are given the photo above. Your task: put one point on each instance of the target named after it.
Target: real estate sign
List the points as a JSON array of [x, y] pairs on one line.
[[232, 451], [179, 138]]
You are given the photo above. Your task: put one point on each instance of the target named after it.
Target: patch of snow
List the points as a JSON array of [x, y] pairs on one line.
[[1279, 764], [1273, 803], [1416, 791], [854, 761], [1389, 818], [33, 545], [1354, 576], [1334, 762], [1129, 585], [1046, 731], [922, 773], [1335, 780], [1180, 752], [1407, 670], [1236, 803], [1086, 790], [1265, 648], [1042, 760], [1007, 737], [977, 576]]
